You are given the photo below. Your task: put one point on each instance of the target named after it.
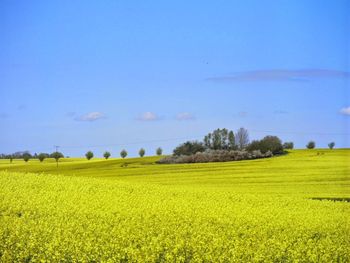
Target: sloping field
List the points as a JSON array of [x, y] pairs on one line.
[[134, 210]]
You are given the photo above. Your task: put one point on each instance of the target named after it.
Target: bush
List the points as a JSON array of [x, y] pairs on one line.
[[215, 156], [311, 145], [189, 148]]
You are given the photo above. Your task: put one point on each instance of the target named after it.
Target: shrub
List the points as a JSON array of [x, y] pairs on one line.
[[215, 156], [106, 155], [311, 145], [189, 148], [89, 155], [123, 153]]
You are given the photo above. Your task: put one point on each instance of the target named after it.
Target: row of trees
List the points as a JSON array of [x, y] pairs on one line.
[[89, 155]]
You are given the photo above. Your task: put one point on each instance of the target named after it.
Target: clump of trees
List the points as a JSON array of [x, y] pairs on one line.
[[268, 143], [311, 145], [223, 145]]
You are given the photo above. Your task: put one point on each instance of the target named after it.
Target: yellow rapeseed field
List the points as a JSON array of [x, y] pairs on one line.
[[291, 208]]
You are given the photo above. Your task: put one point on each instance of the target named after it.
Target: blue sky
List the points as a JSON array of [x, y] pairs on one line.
[[107, 75]]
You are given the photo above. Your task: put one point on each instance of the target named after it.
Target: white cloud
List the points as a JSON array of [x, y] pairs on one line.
[[148, 116], [92, 116], [184, 116], [345, 111]]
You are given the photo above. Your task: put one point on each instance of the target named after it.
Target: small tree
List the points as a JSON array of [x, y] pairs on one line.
[[159, 151], [11, 158], [56, 156], [42, 157], [26, 157], [142, 152], [311, 145], [106, 155], [288, 145], [123, 153], [331, 145], [89, 155]]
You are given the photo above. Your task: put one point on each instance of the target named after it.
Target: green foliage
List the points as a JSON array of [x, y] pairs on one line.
[[268, 143], [220, 139], [159, 151], [331, 145], [26, 157], [189, 148], [123, 153], [142, 152], [56, 155], [89, 155], [42, 156], [106, 155], [288, 145], [311, 145]]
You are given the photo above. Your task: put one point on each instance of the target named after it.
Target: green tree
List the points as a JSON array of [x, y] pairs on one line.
[[331, 145], [56, 156], [106, 155], [311, 145], [142, 152], [123, 153], [42, 156], [89, 155], [189, 148], [231, 140], [288, 145], [159, 151], [26, 157]]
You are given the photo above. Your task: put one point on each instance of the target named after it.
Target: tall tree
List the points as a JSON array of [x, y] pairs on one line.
[[231, 140], [242, 138]]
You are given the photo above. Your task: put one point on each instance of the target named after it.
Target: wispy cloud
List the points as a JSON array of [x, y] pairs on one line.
[[281, 75], [148, 116], [184, 116], [92, 116], [345, 111]]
